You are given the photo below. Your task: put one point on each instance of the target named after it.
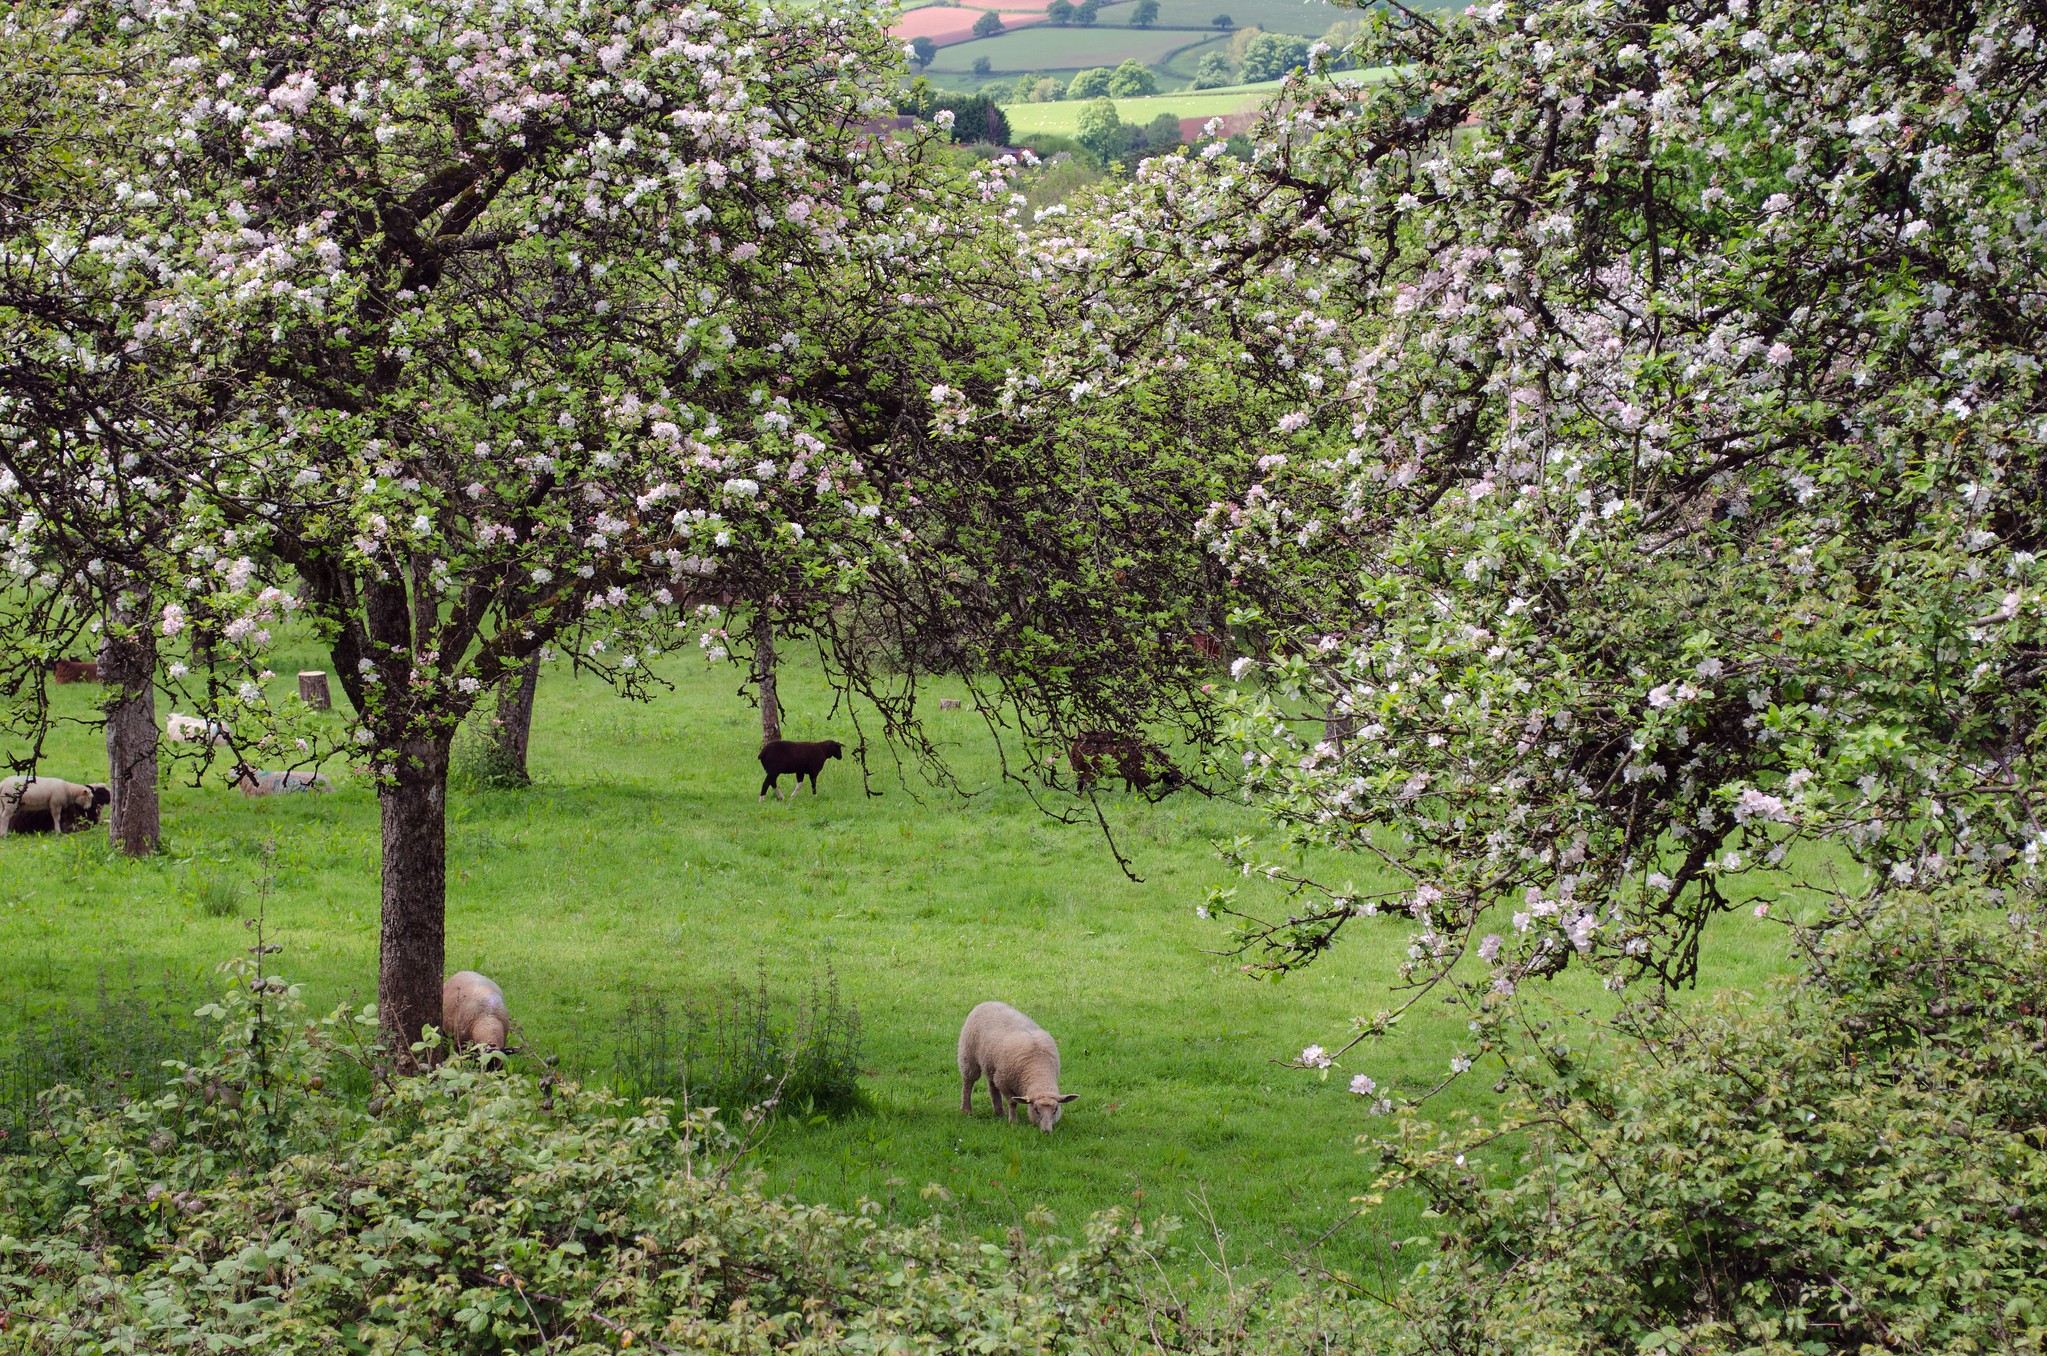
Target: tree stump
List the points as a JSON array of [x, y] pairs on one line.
[[313, 689]]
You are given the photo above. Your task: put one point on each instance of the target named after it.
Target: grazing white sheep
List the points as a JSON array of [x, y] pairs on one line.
[[256, 783], [1020, 1059], [192, 730], [473, 1012], [48, 805]]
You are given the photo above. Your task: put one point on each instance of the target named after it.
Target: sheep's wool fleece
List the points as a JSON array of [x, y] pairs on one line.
[[473, 1011], [1019, 1057], [50, 794]]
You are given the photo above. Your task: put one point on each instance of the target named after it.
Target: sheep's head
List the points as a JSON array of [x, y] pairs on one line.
[[1045, 1110], [488, 1033], [834, 749]]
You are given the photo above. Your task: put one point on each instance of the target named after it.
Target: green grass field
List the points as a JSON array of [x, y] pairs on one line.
[[1308, 18], [1044, 48], [1064, 116], [644, 857]]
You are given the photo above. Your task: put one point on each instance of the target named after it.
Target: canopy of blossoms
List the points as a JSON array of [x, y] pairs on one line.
[[1650, 484]]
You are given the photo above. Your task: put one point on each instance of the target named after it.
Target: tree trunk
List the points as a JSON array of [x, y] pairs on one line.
[[511, 726], [414, 802], [128, 670], [764, 673]]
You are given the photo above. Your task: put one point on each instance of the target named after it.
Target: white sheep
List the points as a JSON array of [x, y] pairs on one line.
[[255, 783], [1021, 1060], [192, 730], [473, 1012], [66, 805]]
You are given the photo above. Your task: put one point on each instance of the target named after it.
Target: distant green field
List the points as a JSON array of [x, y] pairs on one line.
[[1309, 18], [1184, 63], [1044, 48], [1064, 117]]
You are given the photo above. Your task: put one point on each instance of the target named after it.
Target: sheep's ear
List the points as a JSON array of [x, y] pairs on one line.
[[1066, 1097]]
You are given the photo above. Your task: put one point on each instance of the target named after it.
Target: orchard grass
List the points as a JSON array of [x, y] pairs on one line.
[[642, 857]]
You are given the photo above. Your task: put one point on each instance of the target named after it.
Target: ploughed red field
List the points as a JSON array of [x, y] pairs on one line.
[[946, 24]]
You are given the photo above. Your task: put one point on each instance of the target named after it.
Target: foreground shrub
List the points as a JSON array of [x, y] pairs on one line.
[[744, 1052], [107, 1051], [1860, 1166], [247, 1206]]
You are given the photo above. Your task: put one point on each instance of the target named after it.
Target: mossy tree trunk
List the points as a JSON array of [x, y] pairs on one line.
[[127, 662], [413, 801], [511, 725]]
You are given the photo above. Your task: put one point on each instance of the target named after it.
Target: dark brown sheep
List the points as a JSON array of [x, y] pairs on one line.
[[795, 756], [1139, 762], [1206, 644], [74, 671]]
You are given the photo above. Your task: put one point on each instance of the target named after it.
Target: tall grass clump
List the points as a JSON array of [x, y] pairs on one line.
[[109, 1050], [744, 1051]]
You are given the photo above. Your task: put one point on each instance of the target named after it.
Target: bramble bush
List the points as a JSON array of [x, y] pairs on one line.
[[1860, 1166]]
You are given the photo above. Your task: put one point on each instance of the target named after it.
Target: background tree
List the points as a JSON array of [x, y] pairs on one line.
[[1214, 71], [1086, 12], [983, 66], [1132, 79], [82, 533], [1162, 133], [1091, 83], [1144, 13], [988, 25], [968, 119], [1222, 21], [1269, 56], [923, 50], [1099, 129], [1059, 13]]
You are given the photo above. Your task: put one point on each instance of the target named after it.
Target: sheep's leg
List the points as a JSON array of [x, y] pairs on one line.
[[767, 782], [967, 1082], [813, 783]]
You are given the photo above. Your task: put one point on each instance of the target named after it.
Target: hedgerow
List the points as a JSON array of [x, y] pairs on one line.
[[1859, 1166]]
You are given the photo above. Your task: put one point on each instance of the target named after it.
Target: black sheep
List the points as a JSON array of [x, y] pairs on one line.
[[1139, 762], [794, 755]]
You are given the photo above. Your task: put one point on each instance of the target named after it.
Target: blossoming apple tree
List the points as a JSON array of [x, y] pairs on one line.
[[78, 527], [535, 319], [1653, 494]]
